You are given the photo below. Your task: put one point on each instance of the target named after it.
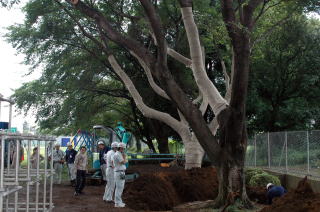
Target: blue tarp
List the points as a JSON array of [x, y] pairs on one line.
[[64, 141], [4, 125]]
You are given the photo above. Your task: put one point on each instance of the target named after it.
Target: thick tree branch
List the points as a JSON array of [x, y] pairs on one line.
[[151, 81], [157, 29], [113, 35], [182, 59], [145, 110], [206, 87]]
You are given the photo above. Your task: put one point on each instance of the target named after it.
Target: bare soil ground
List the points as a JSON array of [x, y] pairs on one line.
[[162, 189], [90, 201], [157, 189]]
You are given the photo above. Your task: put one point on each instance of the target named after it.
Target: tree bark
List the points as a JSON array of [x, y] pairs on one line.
[[233, 133], [163, 144], [193, 152]]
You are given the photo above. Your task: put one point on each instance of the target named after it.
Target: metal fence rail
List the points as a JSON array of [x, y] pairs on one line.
[[27, 188], [296, 152]]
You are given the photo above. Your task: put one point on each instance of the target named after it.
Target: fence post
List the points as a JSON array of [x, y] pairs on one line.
[[269, 162], [286, 144], [308, 153], [255, 151]]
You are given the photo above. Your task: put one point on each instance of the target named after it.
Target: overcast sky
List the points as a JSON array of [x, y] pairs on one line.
[[12, 71]]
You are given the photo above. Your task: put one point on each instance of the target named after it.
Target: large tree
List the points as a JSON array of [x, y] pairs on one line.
[[109, 29]]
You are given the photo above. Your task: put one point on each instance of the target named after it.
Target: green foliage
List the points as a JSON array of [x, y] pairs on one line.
[[8, 3], [78, 88], [284, 81], [250, 172], [236, 207], [263, 179]]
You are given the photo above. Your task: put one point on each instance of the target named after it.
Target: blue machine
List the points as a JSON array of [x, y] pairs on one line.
[[83, 138]]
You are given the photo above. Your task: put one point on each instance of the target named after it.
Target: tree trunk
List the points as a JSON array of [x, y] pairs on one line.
[[150, 144], [163, 144], [231, 166], [193, 151], [161, 132]]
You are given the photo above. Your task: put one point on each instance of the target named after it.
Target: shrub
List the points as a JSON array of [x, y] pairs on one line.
[[263, 179], [250, 172]]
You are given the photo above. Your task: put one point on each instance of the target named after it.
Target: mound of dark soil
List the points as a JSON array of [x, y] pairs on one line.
[[257, 194], [303, 199], [163, 190]]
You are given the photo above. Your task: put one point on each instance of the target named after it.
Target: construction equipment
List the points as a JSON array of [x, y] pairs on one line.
[[119, 134]]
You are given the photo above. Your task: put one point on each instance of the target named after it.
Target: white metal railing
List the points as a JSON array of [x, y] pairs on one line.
[[296, 152], [22, 187]]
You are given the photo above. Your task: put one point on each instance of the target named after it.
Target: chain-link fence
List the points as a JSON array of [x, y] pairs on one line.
[[296, 152]]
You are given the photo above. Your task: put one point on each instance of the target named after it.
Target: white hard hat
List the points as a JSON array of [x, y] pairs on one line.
[[114, 144], [69, 144], [57, 144], [100, 142], [121, 145], [268, 185]]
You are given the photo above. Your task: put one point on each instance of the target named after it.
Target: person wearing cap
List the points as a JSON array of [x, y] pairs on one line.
[[58, 161], [109, 190], [34, 158], [69, 158], [274, 191], [119, 160], [81, 165], [103, 149]]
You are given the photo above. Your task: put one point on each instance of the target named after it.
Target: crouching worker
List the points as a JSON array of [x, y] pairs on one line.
[[274, 191], [70, 157], [108, 194], [81, 164], [119, 160]]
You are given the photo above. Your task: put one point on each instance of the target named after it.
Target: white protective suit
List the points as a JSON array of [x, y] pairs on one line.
[[109, 190], [58, 155], [119, 170]]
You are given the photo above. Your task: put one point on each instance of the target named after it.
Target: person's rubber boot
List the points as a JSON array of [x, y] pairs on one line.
[[120, 205], [73, 183]]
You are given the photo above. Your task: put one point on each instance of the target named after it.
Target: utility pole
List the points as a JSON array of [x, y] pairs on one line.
[[10, 109]]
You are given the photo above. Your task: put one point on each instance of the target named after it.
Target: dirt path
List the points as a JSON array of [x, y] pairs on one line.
[[90, 201]]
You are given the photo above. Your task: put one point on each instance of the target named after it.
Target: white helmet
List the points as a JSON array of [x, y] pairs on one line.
[[121, 145], [100, 142], [269, 184], [114, 144], [69, 144], [57, 144]]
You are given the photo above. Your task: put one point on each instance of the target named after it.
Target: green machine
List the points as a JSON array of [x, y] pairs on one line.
[[118, 134]]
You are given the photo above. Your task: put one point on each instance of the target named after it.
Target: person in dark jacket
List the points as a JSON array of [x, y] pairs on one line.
[[103, 150], [274, 191], [69, 158]]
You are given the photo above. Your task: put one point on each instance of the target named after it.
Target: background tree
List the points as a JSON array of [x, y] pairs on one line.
[[284, 86]]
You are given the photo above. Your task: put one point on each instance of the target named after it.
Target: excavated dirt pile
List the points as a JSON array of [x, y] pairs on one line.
[[257, 194], [303, 199], [162, 190]]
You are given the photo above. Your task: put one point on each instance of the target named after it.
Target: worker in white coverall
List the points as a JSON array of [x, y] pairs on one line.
[[58, 161], [119, 160], [108, 194]]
